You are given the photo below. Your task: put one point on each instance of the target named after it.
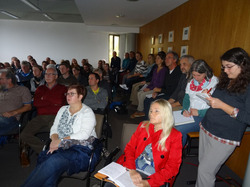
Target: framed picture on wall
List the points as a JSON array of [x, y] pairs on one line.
[[184, 50], [152, 50], [186, 33], [170, 36], [160, 38], [160, 49], [170, 49], [152, 40]]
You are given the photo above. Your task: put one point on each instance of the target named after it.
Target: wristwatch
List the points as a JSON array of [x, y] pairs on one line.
[[234, 113]]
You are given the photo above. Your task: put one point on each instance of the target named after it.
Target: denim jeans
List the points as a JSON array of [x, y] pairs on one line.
[[191, 127], [8, 124], [48, 172]]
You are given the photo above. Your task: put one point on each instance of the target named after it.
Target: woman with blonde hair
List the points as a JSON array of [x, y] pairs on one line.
[[153, 154]]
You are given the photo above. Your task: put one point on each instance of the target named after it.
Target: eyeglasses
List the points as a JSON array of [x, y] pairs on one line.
[[227, 67], [71, 94], [49, 74]]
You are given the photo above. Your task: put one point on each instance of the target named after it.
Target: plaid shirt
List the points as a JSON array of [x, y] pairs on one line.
[[224, 141]]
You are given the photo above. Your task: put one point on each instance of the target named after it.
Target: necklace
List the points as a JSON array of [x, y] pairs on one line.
[[193, 87]]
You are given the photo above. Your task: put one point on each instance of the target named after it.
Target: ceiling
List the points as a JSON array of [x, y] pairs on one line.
[[124, 13]]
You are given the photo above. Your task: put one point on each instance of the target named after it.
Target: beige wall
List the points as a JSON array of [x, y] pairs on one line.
[[216, 26]]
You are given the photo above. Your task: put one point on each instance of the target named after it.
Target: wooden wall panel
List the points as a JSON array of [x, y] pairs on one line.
[[216, 26]]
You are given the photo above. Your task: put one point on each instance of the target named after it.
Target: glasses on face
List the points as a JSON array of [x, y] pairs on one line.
[[50, 74], [71, 94], [227, 67]]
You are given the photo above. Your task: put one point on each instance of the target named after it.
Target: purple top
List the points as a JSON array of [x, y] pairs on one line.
[[158, 79]]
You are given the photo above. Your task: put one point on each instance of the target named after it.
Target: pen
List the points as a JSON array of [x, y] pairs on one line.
[[209, 90]]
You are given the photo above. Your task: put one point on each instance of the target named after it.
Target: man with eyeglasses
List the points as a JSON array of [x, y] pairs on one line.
[[14, 100], [48, 99]]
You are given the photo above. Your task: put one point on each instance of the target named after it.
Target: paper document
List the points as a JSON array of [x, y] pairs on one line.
[[118, 174], [203, 96], [144, 86], [180, 119]]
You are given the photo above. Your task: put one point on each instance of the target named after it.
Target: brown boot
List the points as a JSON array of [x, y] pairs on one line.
[[24, 158]]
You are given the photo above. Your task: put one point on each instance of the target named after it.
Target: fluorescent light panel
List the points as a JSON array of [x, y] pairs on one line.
[[9, 14], [47, 16], [31, 5], [36, 9]]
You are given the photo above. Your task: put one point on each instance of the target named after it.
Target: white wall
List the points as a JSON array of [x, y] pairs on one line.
[[56, 40]]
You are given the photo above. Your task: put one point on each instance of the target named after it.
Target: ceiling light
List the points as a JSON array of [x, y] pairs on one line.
[[31, 5], [47, 16], [119, 16], [9, 14]]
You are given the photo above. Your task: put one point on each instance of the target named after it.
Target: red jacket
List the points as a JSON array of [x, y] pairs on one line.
[[166, 163], [49, 101]]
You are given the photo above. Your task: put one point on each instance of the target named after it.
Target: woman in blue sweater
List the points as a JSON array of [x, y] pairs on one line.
[[225, 122]]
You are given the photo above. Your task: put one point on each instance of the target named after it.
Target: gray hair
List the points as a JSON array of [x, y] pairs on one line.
[[9, 75], [25, 63], [189, 58], [52, 66]]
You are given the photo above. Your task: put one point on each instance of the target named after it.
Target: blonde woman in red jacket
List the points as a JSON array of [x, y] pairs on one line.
[[153, 154]]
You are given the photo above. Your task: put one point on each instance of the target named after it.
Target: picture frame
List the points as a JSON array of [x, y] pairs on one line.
[[160, 38], [152, 40], [170, 49], [160, 49], [186, 33], [184, 50], [152, 50], [171, 36]]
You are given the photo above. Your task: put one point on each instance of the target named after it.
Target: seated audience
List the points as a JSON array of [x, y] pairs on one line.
[[7, 65], [130, 67], [24, 74], [66, 78], [48, 99], [100, 64], [29, 58], [103, 83], [15, 64], [226, 120], [201, 79], [156, 82], [75, 125], [79, 77], [44, 65], [97, 97], [153, 154], [147, 76], [172, 78], [33, 62], [38, 78], [125, 61], [107, 75], [140, 70], [2, 65], [176, 99], [74, 63], [86, 70], [86, 62], [14, 100]]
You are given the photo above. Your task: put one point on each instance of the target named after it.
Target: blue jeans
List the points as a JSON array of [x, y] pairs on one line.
[[48, 172], [8, 124], [191, 127]]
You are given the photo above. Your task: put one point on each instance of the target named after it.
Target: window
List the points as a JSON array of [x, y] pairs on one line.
[[114, 42]]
